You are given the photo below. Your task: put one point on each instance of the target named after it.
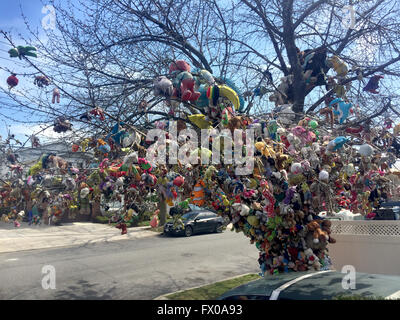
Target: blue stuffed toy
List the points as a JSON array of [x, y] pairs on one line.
[[343, 109]]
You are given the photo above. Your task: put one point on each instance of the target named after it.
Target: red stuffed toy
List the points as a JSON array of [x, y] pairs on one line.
[[12, 81], [184, 82], [179, 65], [98, 112]]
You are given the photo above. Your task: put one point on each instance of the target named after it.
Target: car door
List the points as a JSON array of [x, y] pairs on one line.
[[200, 224], [206, 222], [211, 221]]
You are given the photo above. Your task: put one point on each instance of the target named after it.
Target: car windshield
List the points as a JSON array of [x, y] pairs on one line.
[[194, 208], [189, 215]]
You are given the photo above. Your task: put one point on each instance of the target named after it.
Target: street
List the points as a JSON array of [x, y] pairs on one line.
[[143, 268]]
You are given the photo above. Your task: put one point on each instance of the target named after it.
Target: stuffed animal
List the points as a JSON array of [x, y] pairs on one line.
[[314, 65], [98, 112], [198, 193], [339, 66], [163, 87], [373, 84], [12, 81], [41, 81], [284, 93], [326, 227], [284, 114], [342, 110], [22, 51], [61, 124], [56, 96], [183, 82], [318, 234], [179, 66]]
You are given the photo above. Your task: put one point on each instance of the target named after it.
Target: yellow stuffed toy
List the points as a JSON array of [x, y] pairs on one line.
[[200, 121], [339, 66], [265, 149]]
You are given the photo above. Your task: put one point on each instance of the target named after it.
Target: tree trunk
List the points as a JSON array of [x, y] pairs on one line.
[[163, 212], [95, 209], [299, 83]]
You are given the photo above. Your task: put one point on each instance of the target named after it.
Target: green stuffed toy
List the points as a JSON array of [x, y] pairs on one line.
[[22, 51]]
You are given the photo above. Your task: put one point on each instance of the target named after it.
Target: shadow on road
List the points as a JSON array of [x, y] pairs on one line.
[[83, 290]]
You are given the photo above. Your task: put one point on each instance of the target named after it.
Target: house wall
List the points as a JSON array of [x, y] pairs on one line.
[[369, 246]]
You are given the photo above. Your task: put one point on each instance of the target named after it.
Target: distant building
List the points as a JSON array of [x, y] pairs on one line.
[[29, 156]]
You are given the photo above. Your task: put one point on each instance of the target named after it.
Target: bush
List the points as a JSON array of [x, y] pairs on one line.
[[145, 216]]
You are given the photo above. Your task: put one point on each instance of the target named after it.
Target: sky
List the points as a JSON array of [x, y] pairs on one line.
[[12, 21]]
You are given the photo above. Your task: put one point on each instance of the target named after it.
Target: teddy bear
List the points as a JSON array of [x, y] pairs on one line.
[[314, 65], [183, 82], [163, 86], [326, 227], [318, 234], [61, 124], [280, 161], [313, 260], [58, 162], [294, 142], [284, 92], [234, 123], [338, 65], [41, 81]]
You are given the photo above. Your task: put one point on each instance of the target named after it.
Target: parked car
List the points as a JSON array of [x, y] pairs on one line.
[[196, 221], [320, 285]]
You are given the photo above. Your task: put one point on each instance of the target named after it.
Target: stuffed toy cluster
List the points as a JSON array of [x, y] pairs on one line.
[[218, 98]]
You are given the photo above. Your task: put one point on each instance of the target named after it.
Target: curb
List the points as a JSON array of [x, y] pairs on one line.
[[164, 296]]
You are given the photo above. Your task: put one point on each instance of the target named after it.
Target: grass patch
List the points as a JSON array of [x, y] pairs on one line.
[[101, 219], [212, 291], [158, 229], [144, 224]]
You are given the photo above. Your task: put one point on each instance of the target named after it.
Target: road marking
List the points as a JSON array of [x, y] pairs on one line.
[[276, 292], [14, 259], [395, 295]]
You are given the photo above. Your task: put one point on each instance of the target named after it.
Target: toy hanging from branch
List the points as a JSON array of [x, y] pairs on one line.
[[343, 109], [35, 141], [328, 113], [41, 81], [12, 81], [56, 96], [22, 51], [62, 125], [373, 84], [98, 112]]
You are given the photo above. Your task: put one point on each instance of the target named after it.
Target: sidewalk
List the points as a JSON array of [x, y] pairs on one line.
[[69, 234]]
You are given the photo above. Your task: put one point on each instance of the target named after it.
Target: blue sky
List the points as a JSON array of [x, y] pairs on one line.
[[12, 21]]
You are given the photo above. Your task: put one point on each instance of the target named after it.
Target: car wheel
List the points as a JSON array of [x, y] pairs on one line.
[[218, 228], [188, 231]]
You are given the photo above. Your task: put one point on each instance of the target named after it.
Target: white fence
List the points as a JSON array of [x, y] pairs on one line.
[[369, 246]]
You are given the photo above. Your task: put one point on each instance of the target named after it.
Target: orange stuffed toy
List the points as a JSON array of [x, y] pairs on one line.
[[198, 193]]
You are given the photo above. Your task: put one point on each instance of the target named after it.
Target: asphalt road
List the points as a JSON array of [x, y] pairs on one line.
[[128, 269]]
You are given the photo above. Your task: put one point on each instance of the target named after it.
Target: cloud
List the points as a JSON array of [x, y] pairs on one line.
[[47, 135]]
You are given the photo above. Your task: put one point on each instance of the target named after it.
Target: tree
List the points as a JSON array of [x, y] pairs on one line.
[[107, 53]]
